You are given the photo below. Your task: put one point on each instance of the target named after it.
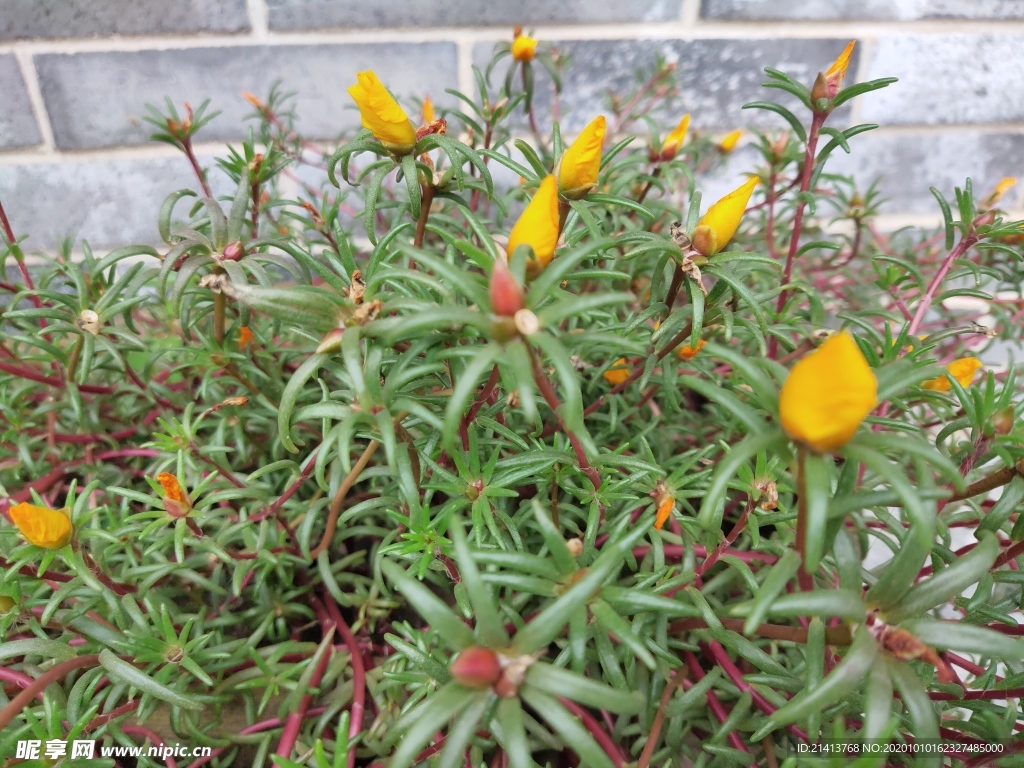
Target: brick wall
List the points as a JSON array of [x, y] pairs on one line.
[[75, 75]]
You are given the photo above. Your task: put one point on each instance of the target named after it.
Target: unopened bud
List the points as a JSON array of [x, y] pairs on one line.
[[506, 294], [1003, 420], [233, 252], [575, 547], [704, 240], [176, 501], [331, 342], [819, 92], [666, 503], [476, 667], [7, 604], [89, 321]]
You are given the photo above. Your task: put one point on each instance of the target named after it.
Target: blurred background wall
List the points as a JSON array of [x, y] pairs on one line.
[[75, 76]]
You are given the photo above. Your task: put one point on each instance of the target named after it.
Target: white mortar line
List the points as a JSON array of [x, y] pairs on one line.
[[689, 13], [147, 151], [679, 29], [35, 97], [257, 18], [464, 66]]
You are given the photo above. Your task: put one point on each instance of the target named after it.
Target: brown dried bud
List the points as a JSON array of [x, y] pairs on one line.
[[527, 322], [89, 321], [575, 546], [476, 667]]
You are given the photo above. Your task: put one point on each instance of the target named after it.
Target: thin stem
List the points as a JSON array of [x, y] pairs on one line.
[[219, 309], [803, 577], [986, 484], [186, 147], [339, 499], [59, 672], [798, 219], [355, 722], [547, 389], [426, 199], [673, 682], [965, 244]]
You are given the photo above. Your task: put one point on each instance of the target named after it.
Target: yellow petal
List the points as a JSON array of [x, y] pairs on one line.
[[523, 48], [963, 370], [840, 65], [43, 527], [618, 373], [577, 171], [381, 114], [723, 218], [670, 147], [1001, 189], [729, 141], [537, 227], [828, 394]]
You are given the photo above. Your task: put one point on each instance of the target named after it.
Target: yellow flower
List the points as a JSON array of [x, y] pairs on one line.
[[719, 224], [44, 527], [428, 110], [730, 140], [618, 373], [523, 48], [577, 170], [381, 114], [962, 370], [538, 227], [674, 141], [828, 394], [688, 352]]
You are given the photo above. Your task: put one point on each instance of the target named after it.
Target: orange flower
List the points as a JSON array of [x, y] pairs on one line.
[[688, 352], [428, 110], [245, 337], [962, 370], [618, 373], [176, 501], [666, 503], [44, 527], [523, 48], [730, 140]]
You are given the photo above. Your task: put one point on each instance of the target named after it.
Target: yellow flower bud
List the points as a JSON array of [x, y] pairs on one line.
[[1004, 186], [46, 528], [428, 110], [538, 227], [717, 227], [577, 170], [382, 115], [836, 73], [674, 141], [524, 48], [730, 140], [828, 394], [666, 503], [963, 370], [176, 501], [618, 373]]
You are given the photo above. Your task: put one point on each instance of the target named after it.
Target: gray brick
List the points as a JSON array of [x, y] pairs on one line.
[[319, 14], [947, 79], [88, 18], [897, 10], [110, 203], [716, 77], [97, 99], [907, 164], [17, 124]]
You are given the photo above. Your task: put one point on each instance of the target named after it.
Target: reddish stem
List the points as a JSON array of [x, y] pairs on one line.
[[52, 675], [600, 735]]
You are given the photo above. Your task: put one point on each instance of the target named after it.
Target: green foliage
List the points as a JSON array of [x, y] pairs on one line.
[[318, 464]]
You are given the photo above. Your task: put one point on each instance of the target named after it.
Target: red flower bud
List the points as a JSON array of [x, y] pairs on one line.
[[476, 667], [506, 295]]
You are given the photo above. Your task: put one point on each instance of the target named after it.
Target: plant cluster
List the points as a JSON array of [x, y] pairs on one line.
[[497, 449]]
